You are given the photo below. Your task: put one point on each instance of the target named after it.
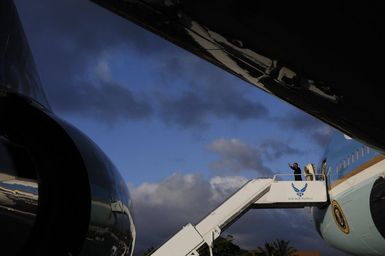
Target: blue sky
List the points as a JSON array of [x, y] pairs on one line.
[[172, 123]]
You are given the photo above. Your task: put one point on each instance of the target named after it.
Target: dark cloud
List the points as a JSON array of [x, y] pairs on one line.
[[294, 225], [273, 149], [93, 100], [69, 38], [318, 131], [189, 110], [83, 28], [211, 93], [194, 108], [236, 156], [300, 121], [161, 209]]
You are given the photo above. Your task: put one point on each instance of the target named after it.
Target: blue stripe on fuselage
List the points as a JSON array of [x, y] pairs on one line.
[[343, 155]]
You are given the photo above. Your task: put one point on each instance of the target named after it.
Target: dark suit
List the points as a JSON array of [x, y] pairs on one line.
[[297, 173]]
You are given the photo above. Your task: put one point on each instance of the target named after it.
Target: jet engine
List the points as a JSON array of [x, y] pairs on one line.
[[59, 193]]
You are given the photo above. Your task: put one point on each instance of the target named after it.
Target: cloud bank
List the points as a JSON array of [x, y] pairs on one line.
[[161, 209], [72, 41]]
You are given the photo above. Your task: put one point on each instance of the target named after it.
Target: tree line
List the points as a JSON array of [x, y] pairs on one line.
[[224, 246]]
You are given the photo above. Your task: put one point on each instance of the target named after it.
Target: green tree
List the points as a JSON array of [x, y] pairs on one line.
[[283, 248], [276, 248], [224, 246], [268, 250]]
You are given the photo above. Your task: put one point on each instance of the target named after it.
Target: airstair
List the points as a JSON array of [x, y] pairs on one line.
[[273, 192]]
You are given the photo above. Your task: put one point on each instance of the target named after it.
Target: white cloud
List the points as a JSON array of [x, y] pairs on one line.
[[223, 186], [236, 156], [163, 208]]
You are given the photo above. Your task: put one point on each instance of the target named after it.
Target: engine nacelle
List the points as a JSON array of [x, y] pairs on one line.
[[59, 193]]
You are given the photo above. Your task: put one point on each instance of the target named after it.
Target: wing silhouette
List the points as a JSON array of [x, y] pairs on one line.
[[152, 15], [304, 188], [295, 189]]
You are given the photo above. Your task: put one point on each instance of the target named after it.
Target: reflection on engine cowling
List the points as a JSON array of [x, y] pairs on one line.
[[59, 193], [18, 199], [111, 227]]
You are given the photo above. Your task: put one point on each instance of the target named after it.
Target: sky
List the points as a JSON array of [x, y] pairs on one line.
[[183, 133]]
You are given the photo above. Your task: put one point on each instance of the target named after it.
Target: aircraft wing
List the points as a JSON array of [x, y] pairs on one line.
[[324, 58]]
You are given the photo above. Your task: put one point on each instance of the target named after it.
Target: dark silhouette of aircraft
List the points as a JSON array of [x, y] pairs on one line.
[[60, 194]]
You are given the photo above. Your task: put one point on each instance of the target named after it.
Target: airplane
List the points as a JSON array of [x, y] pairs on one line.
[[59, 193], [324, 58], [327, 71], [353, 220]]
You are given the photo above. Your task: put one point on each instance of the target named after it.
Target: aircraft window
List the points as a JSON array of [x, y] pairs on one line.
[[362, 151], [358, 154], [344, 163], [348, 161]]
